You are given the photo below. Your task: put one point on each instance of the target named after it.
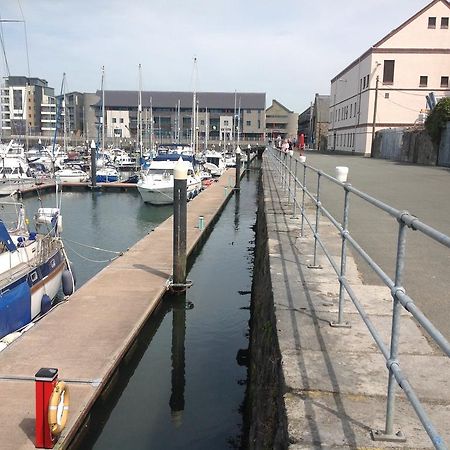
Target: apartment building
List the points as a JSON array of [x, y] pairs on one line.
[[280, 121], [28, 107], [167, 116], [386, 87]]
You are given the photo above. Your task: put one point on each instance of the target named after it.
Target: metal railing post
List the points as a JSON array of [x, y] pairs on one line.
[[388, 434], [302, 226], [294, 213], [340, 323], [318, 205], [289, 177]]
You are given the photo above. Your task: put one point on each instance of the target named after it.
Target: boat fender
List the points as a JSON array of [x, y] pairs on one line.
[[74, 275], [32, 236], [58, 408], [46, 304], [59, 224], [68, 282]]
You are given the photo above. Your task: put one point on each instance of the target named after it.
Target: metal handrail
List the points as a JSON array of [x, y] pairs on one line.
[[283, 163]]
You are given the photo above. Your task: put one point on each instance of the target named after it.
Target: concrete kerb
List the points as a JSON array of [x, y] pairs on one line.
[[336, 379]]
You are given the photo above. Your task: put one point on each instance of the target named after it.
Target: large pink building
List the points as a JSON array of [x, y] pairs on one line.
[[387, 86]]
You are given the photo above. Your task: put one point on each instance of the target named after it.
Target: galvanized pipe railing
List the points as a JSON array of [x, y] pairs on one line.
[[283, 164]]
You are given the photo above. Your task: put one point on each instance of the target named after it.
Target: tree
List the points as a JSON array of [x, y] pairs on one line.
[[438, 119]]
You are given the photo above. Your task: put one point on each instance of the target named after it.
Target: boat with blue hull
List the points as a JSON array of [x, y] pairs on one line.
[[33, 265]]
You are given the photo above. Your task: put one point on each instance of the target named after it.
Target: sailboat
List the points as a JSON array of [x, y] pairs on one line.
[[33, 267]]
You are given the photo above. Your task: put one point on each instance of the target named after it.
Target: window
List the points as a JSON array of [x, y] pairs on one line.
[[248, 123], [225, 122], [444, 22], [121, 120], [202, 122], [367, 82], [388, 71], [249, 111], [423, 81], [386, 95], [259, 123], [444, 82], [114, 120], [431, 22]]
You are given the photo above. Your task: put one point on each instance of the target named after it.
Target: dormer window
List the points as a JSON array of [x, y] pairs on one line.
[[431, 22], [444, 22]]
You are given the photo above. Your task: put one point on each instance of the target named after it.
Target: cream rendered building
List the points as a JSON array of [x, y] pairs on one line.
[[386, 87]]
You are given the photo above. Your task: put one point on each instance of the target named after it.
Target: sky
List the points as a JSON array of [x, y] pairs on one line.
[[289, 49]]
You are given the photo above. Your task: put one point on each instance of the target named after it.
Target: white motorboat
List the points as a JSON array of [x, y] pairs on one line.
[[214, 163], [14, 174], [71, 175], [123, 160], [156, 182]]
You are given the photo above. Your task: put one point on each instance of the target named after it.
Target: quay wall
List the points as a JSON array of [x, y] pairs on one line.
[[265, 410]]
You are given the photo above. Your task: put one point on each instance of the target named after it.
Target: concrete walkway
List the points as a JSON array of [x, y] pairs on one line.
[[87, 337], [335, 379]]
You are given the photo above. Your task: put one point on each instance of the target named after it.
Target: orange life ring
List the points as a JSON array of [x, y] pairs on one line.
[[58, 408]]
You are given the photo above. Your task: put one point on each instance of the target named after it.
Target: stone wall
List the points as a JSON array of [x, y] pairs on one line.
[[266, 415], [411, 145]]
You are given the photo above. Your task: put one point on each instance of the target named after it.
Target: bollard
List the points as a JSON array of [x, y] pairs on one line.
[[179, 225], [93, 165], [45, 381], [237, 184], [201, 223]]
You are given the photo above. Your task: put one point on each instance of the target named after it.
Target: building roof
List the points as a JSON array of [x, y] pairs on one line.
[[407, 22], [388, 36], [280, 105], [166, 99]]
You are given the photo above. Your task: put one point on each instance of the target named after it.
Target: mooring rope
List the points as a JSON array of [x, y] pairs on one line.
[[95, 260], [95, 248]]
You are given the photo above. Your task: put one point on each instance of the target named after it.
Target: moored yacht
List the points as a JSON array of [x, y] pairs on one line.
[[156, 182]]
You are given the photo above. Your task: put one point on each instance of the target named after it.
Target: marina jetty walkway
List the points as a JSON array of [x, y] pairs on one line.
[[332, 382], [86, 337]]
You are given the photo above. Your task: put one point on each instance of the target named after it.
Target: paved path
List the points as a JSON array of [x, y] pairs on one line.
[[423, 191], [335, 379]]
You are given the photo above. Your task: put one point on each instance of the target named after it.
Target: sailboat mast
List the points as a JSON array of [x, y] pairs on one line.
[[65, 116], [234, 122], [25, 114], [178, 121], [239, 124], [140, 112], [206, 129], [151, 125], [103, 109], [194, 107]]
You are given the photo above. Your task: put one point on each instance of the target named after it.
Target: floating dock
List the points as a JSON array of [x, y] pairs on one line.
[[87, 337]]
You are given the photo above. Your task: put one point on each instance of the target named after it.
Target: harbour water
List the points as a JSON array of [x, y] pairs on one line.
[[110, 221], [183, 386]]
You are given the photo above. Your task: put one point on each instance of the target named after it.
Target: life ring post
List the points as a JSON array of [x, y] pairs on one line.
[[45, 381]]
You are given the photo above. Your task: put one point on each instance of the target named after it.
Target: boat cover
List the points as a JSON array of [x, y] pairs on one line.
[[6, 238], [15, 308]]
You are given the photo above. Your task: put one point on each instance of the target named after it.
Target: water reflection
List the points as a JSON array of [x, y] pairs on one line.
[[237, 203], [104, 407], [178, 359]]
